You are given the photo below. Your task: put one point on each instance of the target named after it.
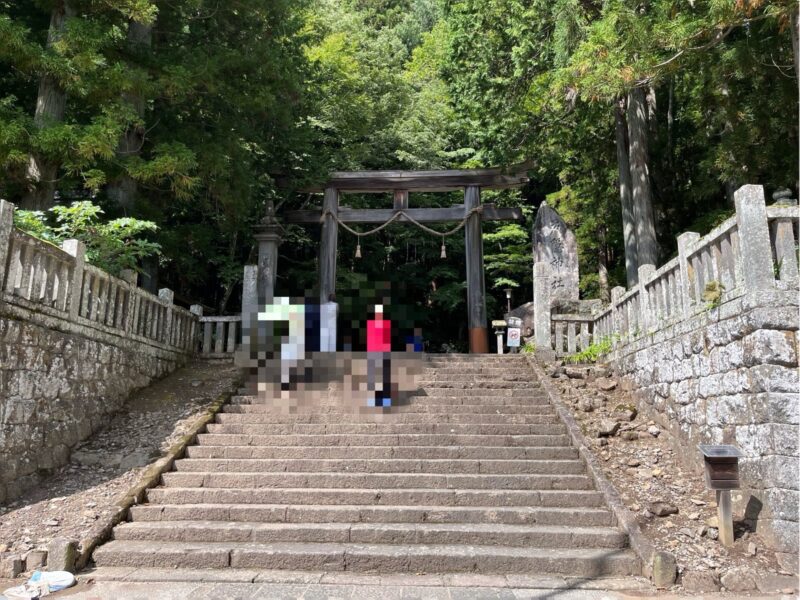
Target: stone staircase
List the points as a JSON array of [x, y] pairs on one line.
[[475, 474]]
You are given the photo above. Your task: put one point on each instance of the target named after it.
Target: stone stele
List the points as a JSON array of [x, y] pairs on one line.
[[555, 244]]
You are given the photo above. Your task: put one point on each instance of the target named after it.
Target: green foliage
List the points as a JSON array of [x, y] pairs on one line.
[[528, 348], [712, 294], [236, 103], [112, 246], [594, 351]]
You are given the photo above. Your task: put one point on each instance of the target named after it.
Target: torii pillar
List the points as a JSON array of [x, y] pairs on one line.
[[328, 243], [476, 286]]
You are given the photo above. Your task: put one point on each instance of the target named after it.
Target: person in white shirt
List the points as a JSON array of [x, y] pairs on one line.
[[293, 347]]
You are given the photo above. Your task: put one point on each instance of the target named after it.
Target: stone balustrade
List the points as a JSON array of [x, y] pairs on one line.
[[674, 292], [58, 283], [221, 336]]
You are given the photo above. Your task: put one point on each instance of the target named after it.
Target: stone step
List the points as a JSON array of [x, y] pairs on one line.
[[383, 452], [284, 513], [343, 428], [478, 370], [377, 480], [379, 496], [437, 396], [212, 439], [380, 465], [451, 357], [437, 408], [495, 534], [485, 394], [384, 558], [472, 379], [391, 418], [488, 384], [468, 365]]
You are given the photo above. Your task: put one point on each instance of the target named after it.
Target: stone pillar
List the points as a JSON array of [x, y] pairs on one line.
[[168, 296], [616, 316], [249, 314], [328, 244], [783, 234], [476, 287], [541, 307], [647, 314], [689, 295], [755, 252], [268, 236], [249, 288], [129, 276], [197, 310], [76, 249], [6, 227]]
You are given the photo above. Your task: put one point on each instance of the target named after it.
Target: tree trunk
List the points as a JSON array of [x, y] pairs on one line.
[[730, 189], [652, 112], [628, 223], [51, 102], [602, 269], [796, 43], [670, 126], [796, 51], [641, 190], [123, 189]]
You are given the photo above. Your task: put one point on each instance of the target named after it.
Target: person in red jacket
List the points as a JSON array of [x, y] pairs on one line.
[[379, 347]]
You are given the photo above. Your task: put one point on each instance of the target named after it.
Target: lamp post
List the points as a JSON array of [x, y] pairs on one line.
[[268, 236], [508, 297]]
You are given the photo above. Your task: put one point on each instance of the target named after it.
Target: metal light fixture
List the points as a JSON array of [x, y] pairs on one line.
[[508, 297]]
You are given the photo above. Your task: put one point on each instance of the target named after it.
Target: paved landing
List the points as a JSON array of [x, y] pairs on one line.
[[155, 584]]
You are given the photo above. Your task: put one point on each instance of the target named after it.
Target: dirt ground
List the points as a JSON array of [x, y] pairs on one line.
[[77, 500], [640, 460]]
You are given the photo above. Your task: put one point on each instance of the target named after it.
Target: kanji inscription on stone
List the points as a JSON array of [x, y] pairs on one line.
[[555, 244]]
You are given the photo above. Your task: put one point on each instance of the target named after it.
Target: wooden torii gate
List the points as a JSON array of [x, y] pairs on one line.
[[401, 183]]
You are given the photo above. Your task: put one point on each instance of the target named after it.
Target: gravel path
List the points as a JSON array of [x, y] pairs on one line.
[[77, 501]]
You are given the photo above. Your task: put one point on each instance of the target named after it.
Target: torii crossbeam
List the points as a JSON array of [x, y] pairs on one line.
[[400, 183]]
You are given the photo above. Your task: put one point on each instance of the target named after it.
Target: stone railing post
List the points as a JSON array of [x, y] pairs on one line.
[[647, 315], [755, 251], [541, 307], [196, 310], [168, 296], [129, 276], [687, 242], [76, 249], [616, 316], [782, 230], [6, 227]]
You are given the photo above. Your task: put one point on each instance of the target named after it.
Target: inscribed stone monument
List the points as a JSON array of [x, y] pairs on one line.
[[555, 244]]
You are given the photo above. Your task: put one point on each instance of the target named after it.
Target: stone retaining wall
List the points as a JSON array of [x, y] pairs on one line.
[[729, 376], [57, 388], [74, 343]]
